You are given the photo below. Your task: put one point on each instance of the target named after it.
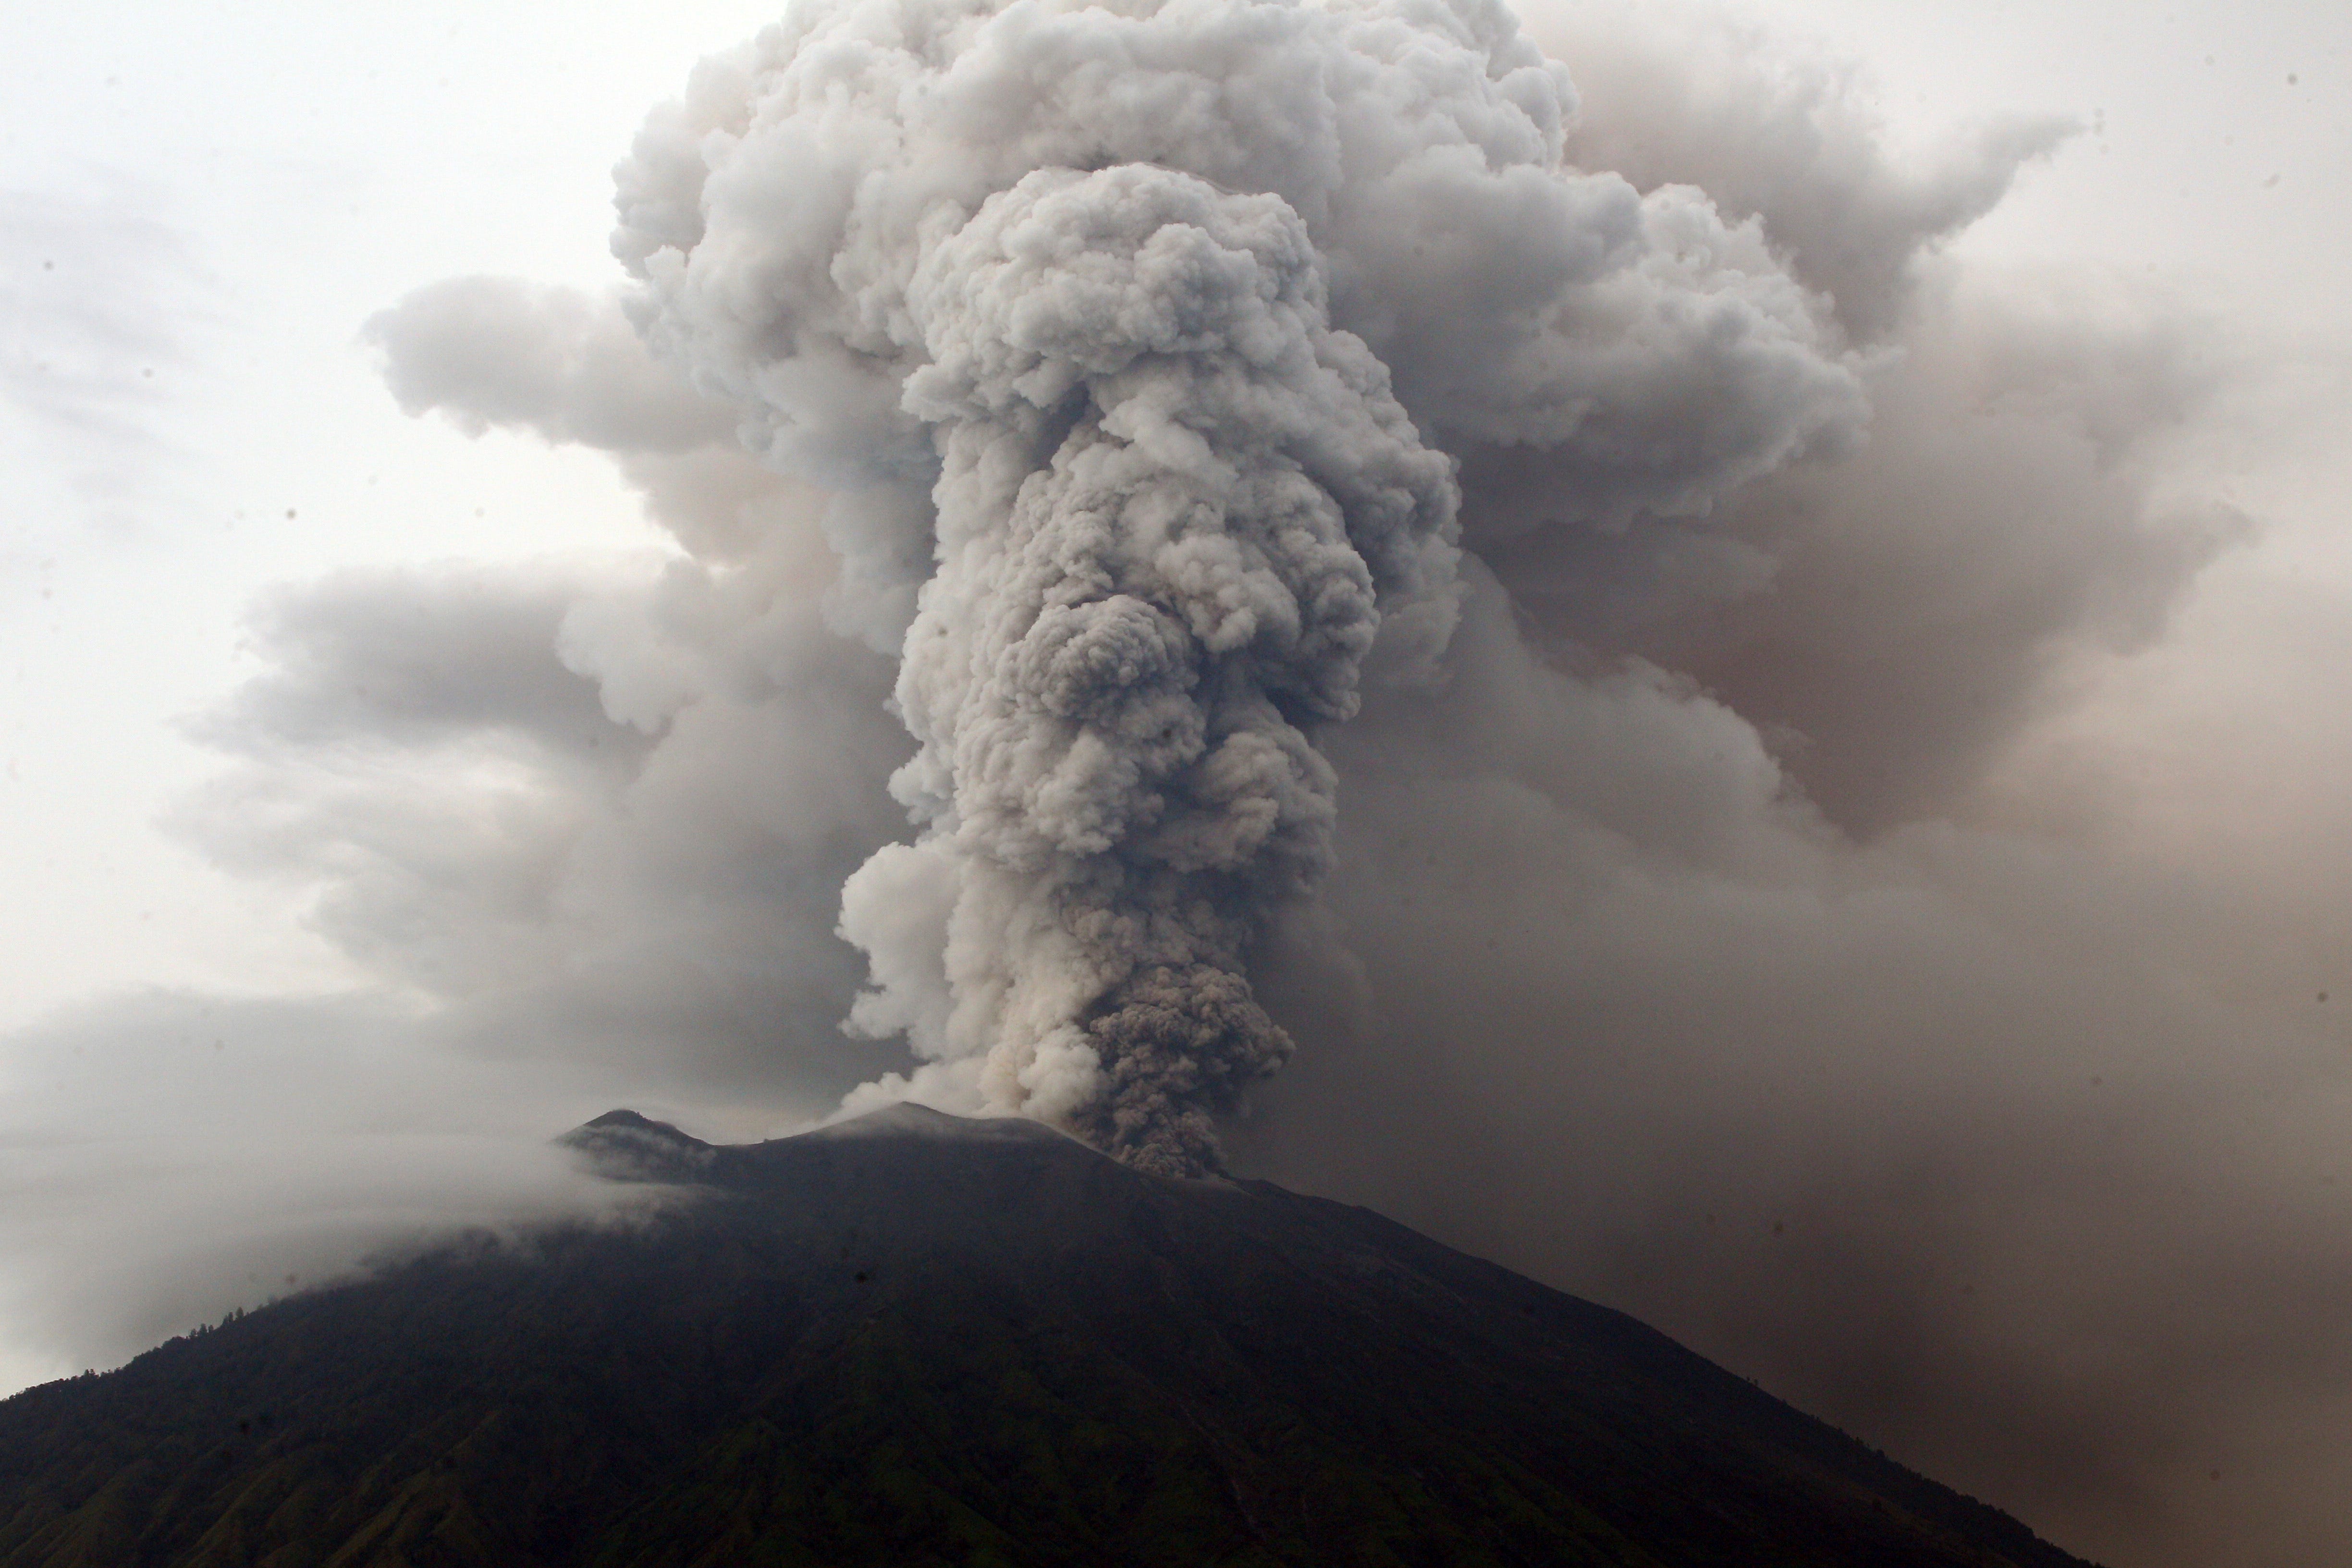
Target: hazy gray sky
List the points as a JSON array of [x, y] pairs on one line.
[[1974, 932]]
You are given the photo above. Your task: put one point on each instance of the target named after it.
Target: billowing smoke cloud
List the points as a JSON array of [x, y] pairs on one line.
[[1815, 877], [1134, 296], [1108, 673]]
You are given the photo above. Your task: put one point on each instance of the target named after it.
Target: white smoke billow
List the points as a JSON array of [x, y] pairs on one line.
[[1175, 312]]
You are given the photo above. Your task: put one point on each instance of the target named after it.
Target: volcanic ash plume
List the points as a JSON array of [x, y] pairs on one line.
[[1129, 342], [1170, 496]]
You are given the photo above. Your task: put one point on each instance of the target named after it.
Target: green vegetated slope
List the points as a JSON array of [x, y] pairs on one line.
[[918, 1342]]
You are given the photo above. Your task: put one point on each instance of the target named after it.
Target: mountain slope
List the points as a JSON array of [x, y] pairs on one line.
[[913, 1340]]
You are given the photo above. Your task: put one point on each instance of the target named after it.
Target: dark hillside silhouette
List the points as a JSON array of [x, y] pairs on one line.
[[914, 1340]]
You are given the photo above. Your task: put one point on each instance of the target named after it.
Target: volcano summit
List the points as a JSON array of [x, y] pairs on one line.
[[914, 1339]]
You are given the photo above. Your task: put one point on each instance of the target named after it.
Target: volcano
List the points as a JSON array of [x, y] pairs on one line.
[[915, 1340]]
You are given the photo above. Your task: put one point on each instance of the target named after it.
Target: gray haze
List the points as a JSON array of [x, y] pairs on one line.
[[1785, 879]]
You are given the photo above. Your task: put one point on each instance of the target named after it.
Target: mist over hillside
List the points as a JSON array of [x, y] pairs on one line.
[[916, 1339]]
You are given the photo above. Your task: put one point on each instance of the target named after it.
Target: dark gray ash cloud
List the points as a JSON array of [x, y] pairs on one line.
[[1166, 312]]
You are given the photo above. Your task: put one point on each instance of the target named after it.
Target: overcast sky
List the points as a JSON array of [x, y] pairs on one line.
[[202, 207]]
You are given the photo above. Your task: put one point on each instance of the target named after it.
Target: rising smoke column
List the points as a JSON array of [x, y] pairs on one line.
[[1137, 345], [1169, 497]]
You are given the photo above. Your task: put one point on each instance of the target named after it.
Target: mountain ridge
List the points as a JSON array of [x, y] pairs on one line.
[[920, 1340]]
